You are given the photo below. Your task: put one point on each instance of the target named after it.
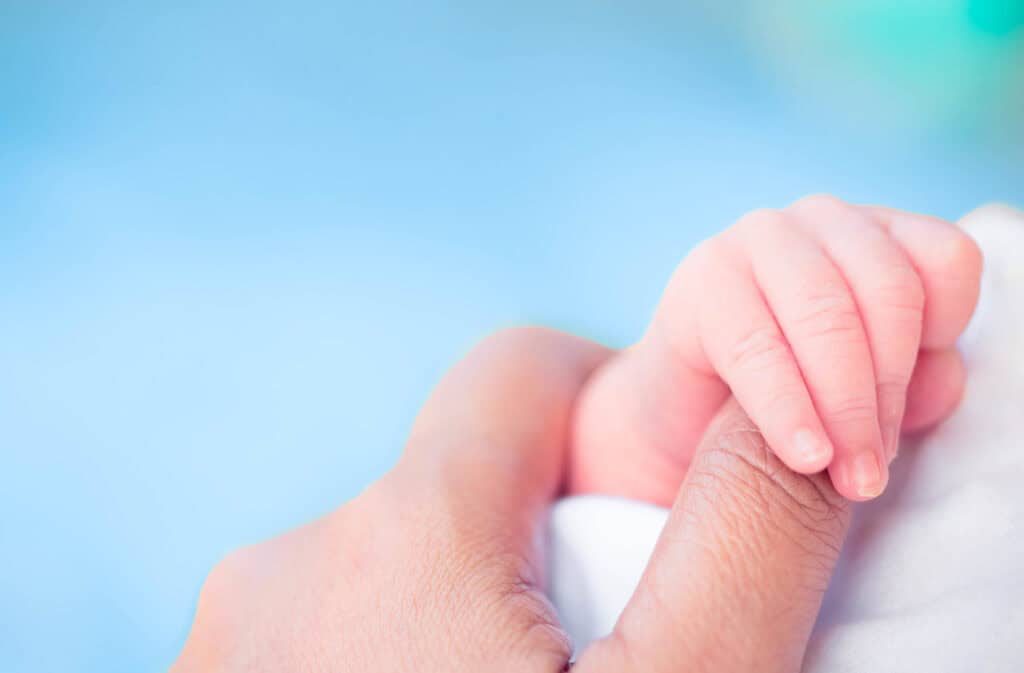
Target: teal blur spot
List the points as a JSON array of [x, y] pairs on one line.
[[940, 64], [997, 17]]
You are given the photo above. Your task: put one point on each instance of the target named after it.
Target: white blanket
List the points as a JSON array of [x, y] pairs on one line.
[[932, 574]]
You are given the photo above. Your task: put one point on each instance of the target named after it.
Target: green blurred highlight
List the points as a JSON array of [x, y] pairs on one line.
[[997, 17], [918, 65]]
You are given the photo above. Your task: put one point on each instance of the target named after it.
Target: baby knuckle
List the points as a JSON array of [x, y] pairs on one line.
[[762, 222], [963, 257], [856, 409], [783, 398], [706, 260], [893, 385], [901, 289], [760, 348], [821, 204], [971, 254], [829, 313], [708, 254], [892, 398]]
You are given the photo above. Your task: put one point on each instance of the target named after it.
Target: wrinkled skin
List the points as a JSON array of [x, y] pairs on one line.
[[436, 567]]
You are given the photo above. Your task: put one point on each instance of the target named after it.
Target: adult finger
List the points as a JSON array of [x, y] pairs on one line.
[[737, 578], [486, 457]]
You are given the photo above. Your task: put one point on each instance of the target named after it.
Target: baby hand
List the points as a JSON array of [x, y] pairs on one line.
[[832, 325]]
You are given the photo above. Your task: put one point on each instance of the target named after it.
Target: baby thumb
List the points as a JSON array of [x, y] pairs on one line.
[[737, 578]]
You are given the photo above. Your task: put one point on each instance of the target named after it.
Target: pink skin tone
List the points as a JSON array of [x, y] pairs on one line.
[[833, 325], [436, 566]]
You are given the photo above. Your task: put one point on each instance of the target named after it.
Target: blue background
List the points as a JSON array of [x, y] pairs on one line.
[[239, 243]]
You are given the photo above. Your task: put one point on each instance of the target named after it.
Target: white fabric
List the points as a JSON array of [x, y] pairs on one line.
[[932, 574]]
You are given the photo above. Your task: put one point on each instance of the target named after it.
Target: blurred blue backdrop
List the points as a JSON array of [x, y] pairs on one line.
[[240, 241]]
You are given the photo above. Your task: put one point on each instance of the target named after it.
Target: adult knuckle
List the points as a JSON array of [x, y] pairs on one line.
[[736, 464], [807, 507], [220, 611], [734, 475], [517, 358], [237, 573], [225, 576], [492, 597], [517, 339], [531, 623], [351, 535]]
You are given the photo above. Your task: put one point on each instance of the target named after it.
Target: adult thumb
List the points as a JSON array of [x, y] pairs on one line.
[[737, 578]]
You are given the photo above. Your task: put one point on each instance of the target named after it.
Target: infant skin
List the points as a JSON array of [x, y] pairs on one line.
[[929, 578], [832, 324]]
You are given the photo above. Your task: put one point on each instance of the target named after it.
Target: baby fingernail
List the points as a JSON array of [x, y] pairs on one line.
[[811, 449], [867, 475]]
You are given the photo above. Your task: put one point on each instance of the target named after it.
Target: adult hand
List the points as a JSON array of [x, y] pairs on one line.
[[437, 567]]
